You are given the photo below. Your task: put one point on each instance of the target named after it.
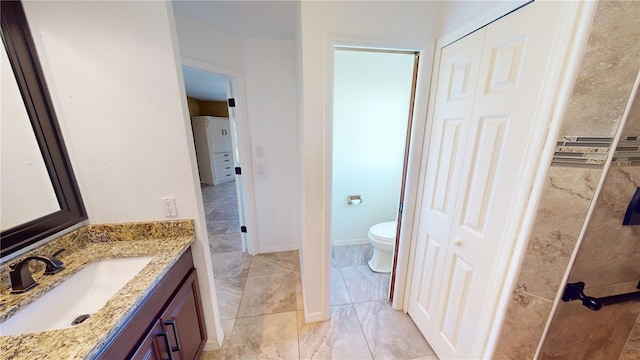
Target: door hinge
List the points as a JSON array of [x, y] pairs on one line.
[[401, 207], [238, 170], [232, 102], [243, 229]]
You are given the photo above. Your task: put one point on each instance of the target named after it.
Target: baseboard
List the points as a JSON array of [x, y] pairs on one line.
[[350, 242], [314, 317], [211, 345], [271, 249]]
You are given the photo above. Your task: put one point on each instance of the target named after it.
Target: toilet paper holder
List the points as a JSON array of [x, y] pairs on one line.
[[354, 200]]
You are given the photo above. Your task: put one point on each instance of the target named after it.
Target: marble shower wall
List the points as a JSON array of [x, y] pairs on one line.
[[605, 79], [563, 208], [608, 262]]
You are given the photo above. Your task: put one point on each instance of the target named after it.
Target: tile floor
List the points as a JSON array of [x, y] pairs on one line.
[[260, 301]]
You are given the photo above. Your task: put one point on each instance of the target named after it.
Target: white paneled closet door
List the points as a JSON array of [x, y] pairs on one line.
[[489, 85]]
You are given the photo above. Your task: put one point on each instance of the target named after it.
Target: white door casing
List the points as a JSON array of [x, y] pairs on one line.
[[488, 87], [240, 143]]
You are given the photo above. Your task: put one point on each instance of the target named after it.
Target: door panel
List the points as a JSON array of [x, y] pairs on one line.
[[487, 154], [456, 300], [426, 299], [449, 145], [506, 65], [480, 139], [458, 74]]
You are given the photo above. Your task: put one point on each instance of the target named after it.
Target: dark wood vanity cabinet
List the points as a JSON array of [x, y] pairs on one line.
[[168, 324], [155, 345], [182, 321]]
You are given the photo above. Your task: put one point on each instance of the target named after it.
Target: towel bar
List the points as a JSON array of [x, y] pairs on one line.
[[575, 291]]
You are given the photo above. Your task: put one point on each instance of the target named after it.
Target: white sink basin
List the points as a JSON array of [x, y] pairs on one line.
[[85, 292]]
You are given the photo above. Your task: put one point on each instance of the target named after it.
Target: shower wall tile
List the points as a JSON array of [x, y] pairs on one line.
[[632, 127], [582, 151], [610, 251], [525, 322], [630, 354], [632, 349], [607, 71], [605, 78], [563, 208], [579, 333], [627, 151]]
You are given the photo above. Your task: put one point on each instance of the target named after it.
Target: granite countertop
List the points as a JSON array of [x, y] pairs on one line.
[[166, 241]]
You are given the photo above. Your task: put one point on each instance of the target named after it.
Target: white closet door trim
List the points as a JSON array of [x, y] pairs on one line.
[[244, 146], [559, 80]]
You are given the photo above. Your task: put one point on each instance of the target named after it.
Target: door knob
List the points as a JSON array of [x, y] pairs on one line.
[[457, 243]]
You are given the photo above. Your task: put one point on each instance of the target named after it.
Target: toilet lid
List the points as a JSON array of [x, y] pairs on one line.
[[384, 231]]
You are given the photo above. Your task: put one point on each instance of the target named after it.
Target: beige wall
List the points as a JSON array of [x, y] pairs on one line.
[[603, 85], [194, 106], [210, 108]]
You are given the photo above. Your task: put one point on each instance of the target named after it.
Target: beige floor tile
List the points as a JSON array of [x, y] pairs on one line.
[[223, 226], [296, 260], [214, 241], [339, 293], [365, 285], [227, 328], [212, 355], [391, 334], [299, 295], [272, 336], [229, 242], [268, 294], [339, 338], [229, 292], [272, 263], [228, 265], [351, 255], [222, 214]]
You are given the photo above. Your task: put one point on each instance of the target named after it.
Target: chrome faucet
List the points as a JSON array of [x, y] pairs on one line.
[[21, 279]]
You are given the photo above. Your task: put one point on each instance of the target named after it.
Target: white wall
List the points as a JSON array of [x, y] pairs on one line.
[[116, 85], [372, 93], [385, 24], [457, 14], [269, 68], [205, 43]]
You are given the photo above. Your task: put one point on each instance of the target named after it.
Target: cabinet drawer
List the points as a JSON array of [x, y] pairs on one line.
[[224, 176], [224, 169], [223, 156], [222, 162]]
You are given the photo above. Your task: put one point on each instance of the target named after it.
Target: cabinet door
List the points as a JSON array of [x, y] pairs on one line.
[[184, 323], [226, 129], [155, 345], [203, 155], [217, 134]]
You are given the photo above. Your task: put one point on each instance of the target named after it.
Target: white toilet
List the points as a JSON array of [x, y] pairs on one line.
[[382, 236]]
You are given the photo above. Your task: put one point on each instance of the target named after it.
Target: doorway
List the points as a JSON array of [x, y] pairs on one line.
[[373, 100], [214, 132]]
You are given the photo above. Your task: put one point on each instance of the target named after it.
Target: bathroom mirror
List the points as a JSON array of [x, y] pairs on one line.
[[39, 194]]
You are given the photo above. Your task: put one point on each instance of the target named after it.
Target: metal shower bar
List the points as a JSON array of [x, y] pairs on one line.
[[575, 291]]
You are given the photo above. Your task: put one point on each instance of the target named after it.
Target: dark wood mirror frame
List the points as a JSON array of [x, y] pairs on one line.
[[28, 72]]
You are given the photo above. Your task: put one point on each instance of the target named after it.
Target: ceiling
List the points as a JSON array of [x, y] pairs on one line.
[[256, 19], [204, 86]]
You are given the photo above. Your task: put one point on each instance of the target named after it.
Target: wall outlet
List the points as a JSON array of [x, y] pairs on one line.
[[169, 206]]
